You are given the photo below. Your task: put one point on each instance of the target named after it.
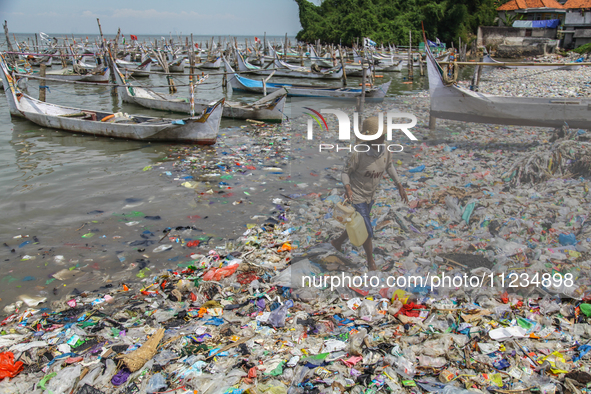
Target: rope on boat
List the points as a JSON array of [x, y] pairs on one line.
[[106, 84], [450, 74]]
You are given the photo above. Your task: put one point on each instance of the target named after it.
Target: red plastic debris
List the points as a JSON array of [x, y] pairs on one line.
[[219, 273], [8, 368]]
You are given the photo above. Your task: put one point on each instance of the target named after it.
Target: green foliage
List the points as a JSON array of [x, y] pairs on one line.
[[389, 21], [509, 19], [583, 49]]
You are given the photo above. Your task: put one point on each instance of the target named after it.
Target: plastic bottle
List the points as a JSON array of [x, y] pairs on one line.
[[356, 229]]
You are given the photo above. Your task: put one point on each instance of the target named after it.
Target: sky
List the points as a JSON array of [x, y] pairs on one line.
[[222, 17]]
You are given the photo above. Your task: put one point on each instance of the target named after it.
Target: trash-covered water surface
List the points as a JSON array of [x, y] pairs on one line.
[[481, 283]]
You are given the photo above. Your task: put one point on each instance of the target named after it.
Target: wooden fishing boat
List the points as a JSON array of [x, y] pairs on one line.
[[488, 59], [237, 82], [136, 70], [97, 74], [202, 129], [285, 70], [37, 62], [354, 70], [324, 61], [269, 108], [449, 101], [177, 65], [211, 65]]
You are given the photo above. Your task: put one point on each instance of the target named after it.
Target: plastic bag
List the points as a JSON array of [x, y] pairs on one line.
[[278, 316], [105, 378], [90, 377], [164, 357], [356, 342], [549, 305], [87, 389], [63, 381], [156, 383], [219, 273], [8, 368], [292, 275]]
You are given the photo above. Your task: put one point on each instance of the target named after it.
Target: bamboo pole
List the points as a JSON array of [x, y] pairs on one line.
[[343, 65], [191, 56], [112, 78], [511, 64], [478, 76], [301, 56], [285, 49], [42, 82], [410, 62], [8, 44], [362, 98], [421, 70]]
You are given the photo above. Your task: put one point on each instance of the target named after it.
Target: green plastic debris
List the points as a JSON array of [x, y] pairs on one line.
[[320, 356], [586, 309], [45, 379], [142, 273], [277, 371]]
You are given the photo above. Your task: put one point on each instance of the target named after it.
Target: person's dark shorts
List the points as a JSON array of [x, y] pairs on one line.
[[364, 209]]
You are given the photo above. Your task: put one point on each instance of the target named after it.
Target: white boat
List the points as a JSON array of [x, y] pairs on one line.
[[97, 74], [285, 70], [177, 65], [354, 70], [135, 69], [488, 59], [211, 65], [237, 82], [202, 129], [449, 101], [324, 62], [269, 108]]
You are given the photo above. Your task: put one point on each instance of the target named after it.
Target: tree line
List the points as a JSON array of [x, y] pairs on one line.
[[389, 21]]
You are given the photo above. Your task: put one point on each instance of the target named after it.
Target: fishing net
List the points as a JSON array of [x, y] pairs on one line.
[[565, 158], [136, 359]]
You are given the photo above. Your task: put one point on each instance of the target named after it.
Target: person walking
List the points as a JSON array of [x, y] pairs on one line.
[[361, 178]]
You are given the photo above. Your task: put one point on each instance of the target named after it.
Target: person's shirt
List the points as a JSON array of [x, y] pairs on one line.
[[363, 173]]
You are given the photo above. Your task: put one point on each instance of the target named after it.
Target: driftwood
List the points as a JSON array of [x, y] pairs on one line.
[[566, 158]]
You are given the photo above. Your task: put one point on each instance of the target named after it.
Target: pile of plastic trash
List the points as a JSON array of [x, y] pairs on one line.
[[241, 319]]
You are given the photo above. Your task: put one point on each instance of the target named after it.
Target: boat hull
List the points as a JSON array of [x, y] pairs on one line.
[[199, 130], [248, 85], [68, 75], [455, 103]]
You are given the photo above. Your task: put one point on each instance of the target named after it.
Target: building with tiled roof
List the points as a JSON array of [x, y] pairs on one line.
[[577, 23], [577, 4], [530, 10], [531, 5]]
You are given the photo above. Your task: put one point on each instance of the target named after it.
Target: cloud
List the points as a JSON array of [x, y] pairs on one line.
[[90, 14], [153, 14], [51, 14]]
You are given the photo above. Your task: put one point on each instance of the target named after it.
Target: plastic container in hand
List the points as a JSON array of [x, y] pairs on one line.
[[343, 212], [356, 229]]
